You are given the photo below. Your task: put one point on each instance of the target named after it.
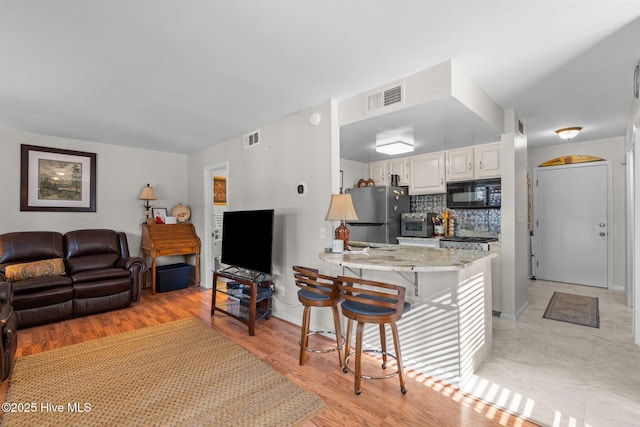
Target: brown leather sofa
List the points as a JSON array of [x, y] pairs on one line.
[[56, 277]]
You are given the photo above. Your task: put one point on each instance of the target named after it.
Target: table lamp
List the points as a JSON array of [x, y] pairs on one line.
[[147, 194], [341, 209]]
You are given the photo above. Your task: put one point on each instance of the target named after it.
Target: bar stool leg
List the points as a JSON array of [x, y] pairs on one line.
[[304, 337], [396, 344], [336, 325], [347, 346], [383, 346], [358, 376]]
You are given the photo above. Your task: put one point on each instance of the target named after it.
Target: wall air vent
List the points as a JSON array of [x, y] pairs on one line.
[[252, 139], [385, 98]]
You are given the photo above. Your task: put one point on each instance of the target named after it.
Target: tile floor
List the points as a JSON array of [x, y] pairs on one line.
[[561, 374]]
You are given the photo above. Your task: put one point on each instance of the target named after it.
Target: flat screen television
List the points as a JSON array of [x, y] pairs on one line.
[[247, 239]]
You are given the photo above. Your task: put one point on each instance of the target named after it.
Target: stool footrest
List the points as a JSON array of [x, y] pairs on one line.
[[346, 367], [328, 350]]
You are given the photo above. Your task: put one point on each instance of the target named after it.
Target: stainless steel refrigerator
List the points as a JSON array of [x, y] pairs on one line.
[[378, 210]]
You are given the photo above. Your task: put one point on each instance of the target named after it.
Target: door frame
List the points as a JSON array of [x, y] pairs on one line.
[[610, 224], [209, 172]]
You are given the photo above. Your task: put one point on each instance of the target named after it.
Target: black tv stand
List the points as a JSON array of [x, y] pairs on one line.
[[243, 273], [242, 294]]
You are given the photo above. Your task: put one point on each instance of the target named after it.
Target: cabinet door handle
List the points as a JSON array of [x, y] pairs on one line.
[[441, 181], [480, 165], [469, 165]]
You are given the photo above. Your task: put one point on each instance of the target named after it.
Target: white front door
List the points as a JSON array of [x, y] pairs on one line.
[[572, 226]]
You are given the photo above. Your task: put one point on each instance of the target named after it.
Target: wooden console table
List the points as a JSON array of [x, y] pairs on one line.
[[169, 240]]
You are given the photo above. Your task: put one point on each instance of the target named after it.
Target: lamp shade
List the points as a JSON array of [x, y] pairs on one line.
[[147, 193], [341, 208]]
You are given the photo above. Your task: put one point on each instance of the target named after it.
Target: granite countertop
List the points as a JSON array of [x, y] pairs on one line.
[[404, 258]]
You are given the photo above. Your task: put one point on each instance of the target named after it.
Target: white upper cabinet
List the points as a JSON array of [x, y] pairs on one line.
[[477, 162], [382, 171], [399, 167], [460, 164], [378, 172], [427, 174], [487, 160]]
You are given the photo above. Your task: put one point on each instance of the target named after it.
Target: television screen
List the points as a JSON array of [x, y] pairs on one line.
[[247, 239]]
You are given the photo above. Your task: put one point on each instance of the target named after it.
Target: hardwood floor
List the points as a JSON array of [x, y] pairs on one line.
[[427, 403]]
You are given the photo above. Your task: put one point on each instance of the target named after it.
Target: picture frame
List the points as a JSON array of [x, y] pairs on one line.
[[219, 191], [57, 180], [160, 213]]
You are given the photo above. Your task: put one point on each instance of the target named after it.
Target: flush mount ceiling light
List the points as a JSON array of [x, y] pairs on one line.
[[395, 141], [394, 147], [568, 133]]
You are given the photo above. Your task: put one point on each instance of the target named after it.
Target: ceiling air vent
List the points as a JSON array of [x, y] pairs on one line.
[[252, 139], [385, 98]]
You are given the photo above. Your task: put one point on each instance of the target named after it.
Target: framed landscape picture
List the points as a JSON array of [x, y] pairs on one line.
[[53, 179]]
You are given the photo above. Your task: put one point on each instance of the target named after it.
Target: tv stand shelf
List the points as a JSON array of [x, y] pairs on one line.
[[246, 298]]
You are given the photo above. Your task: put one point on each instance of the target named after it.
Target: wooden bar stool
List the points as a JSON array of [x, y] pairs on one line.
[[368, 301], [317, 290]]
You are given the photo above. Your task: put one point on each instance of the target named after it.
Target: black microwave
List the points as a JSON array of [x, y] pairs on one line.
[[479, 194]]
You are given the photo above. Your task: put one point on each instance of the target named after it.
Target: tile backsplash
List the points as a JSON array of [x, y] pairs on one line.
[[468, 221]]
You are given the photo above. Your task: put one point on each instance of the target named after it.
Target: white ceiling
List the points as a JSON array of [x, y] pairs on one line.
[[179, 76]]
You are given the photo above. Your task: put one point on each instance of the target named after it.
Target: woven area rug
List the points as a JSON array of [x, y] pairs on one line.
[[571, 308], [181, 373]]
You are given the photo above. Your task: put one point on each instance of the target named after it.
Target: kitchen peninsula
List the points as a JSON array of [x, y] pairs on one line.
[[447, 333]]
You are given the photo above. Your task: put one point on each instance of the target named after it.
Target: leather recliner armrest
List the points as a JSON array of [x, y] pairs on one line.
[[6, 302], [6, 293], [136, 266], [130, 263]]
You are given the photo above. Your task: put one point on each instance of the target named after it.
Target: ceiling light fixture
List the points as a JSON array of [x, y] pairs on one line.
[[391, 147], [568, 133]]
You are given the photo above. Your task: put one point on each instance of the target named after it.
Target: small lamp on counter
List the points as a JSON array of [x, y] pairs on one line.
[[146, 195], [341, 209]]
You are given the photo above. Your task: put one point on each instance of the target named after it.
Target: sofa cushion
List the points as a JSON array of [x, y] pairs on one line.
[[91, 262], [91, 249], [34, 270], [99, 274], [100, 289], [40, 284], [25, 246], [43, 298]]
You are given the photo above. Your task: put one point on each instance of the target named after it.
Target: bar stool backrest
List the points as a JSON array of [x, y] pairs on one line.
[[373, 293], [310, 280]]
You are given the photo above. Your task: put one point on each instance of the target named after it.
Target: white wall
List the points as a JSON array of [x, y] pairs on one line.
[[121, 172], [352, 172], [612, 149], [514, 231], [266, 176]]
